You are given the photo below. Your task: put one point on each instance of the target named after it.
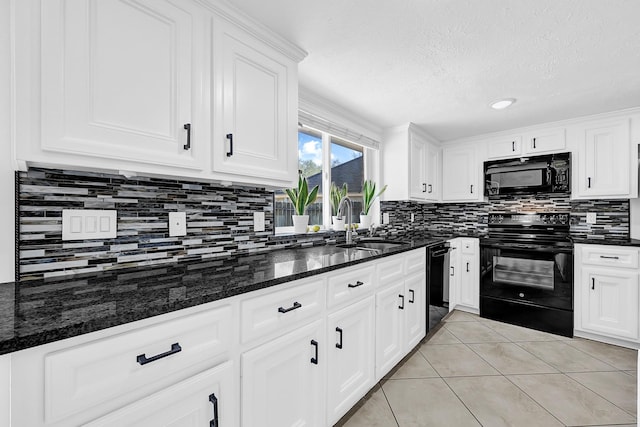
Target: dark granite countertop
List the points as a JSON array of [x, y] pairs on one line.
[[37, 312], [606, 241]]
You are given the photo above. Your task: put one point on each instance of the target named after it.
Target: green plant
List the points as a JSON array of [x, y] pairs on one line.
[[301, 197], [335, 195], [369, 194]]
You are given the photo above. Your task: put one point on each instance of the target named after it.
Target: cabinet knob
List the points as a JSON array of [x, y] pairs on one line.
[[339, 344], [534, 143], [142, 359], [401, 306], [593, 283], [314, 360]]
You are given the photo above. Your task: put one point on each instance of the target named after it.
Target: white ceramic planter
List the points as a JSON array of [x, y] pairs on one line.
[[338, 223], [365, 221], [300, 223]]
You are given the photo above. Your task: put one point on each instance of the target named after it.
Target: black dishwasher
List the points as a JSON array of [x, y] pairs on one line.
[[437, 283]]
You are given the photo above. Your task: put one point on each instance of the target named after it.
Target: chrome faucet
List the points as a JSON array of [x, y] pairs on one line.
[[347, 201]]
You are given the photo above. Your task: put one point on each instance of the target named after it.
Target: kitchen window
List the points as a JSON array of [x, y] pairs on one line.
[[324, 158]]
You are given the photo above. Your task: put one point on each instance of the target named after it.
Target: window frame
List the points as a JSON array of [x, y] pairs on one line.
[[369, 155]]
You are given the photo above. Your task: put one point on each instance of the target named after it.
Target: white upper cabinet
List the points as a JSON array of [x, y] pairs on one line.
[[119, 80], [461, 179], [603, 160], [257, 132], [544, 141], [155, 86], [509, 146], [531, 143], [411, 165]]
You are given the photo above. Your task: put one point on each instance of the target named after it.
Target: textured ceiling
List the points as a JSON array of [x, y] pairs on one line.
[[439, 63]]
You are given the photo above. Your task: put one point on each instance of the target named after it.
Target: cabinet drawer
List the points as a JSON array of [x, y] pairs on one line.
[[84, 376], [349, 285], [609, 256], [468, 246], [389, 270], [281, 310], [415, 261]]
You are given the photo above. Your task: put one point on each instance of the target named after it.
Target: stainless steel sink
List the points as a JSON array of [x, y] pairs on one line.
[[378, 246]]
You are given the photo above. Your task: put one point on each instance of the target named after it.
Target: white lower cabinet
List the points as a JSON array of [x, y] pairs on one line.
[[350, 361], [401, 315], [389, 328], [464, 275], [209, 398], [282, 380], [297, 354], [607, 297]]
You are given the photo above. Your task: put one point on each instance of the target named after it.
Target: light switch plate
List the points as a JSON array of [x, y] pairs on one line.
[[177, 224], [591, 218], [385, 218], [83, 224], [258, 221], [413, 217]]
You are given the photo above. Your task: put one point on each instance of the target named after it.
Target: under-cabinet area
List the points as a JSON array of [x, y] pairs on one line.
[[302, 352]]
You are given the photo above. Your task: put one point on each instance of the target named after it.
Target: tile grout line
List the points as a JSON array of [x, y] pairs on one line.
[[389, 404], [598, 394], [534, 400]]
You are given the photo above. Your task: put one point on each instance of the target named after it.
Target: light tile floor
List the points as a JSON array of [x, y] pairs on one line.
[[478, 372]]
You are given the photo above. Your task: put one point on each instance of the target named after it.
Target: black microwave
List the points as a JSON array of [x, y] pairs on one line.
[[528, 175]]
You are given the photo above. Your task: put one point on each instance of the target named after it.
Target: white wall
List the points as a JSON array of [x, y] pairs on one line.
[[6, 155]]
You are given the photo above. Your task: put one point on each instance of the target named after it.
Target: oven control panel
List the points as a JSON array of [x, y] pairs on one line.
[[535, 219]]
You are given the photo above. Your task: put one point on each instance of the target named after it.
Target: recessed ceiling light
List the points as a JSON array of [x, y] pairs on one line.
[[503, 103]]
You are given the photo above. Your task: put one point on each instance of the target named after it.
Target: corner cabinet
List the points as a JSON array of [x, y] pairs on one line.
[[154, 87], [257, 100], [603, 163], [607, 295], [461, 174], [411, 162], [464, 275]]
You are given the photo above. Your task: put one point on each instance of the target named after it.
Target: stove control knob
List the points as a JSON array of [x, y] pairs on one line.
[[521, 295]]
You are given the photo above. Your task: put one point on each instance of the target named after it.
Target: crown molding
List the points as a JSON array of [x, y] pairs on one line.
[[231, 13]]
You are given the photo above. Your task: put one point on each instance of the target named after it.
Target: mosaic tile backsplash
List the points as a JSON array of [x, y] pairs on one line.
[[471, 218], [220, 220]]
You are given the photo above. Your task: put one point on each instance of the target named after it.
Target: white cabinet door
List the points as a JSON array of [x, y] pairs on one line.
[[454, 273], [545, 141], [504, 147], [415, 300], [209, 397], [350, 356], [119, 80], [603, 167], [259, 109], [432, 173], [460, 180], [610, 301], [417, 168], [282, 381], [389, 328], [469, 289]]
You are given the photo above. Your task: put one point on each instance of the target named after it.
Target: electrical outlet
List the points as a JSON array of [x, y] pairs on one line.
[[177, 224], [79, 224], [591, 218], [385, 218], [258, 221], [413, 217]]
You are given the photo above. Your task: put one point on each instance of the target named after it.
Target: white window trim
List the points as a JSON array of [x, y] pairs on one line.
[[371, 170]]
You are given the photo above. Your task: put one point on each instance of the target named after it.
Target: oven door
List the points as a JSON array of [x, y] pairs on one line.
[[534, 274]]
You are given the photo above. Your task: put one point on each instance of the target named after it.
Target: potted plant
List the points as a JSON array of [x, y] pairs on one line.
[[335, 195], [368, 197], [301, 198]]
